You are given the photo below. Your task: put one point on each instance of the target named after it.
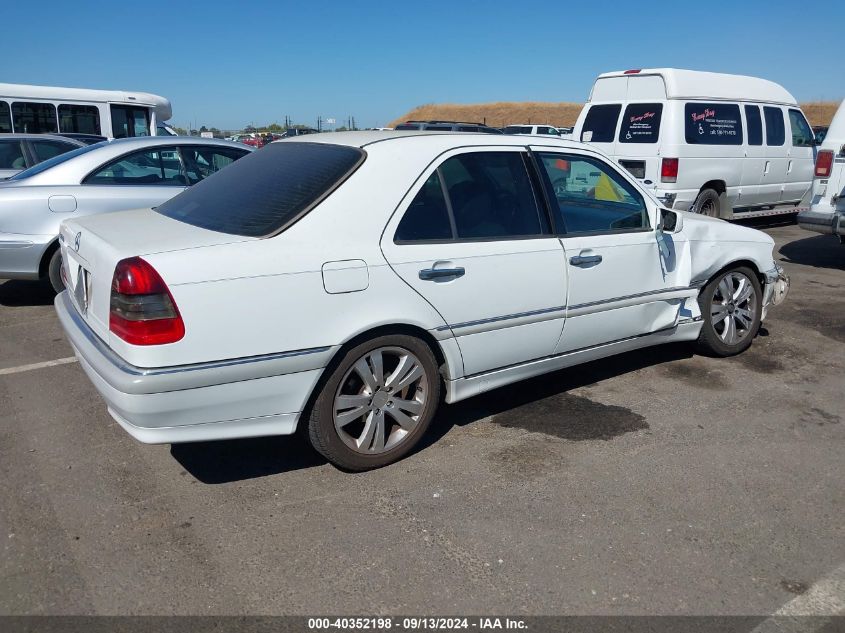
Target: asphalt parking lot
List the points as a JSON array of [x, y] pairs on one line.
[[657, 482]]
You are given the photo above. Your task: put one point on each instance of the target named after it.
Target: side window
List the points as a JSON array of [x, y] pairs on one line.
[[600, 123], [591, 196], [34, 118], [158, 166], [201, 162], [754, 124], [712, 124], [5, 118], [11, 155], [641, 123], [80, 119], [48, 149], [428, 217], [491, 195], [775, 129], [802, 134], [128, 121]]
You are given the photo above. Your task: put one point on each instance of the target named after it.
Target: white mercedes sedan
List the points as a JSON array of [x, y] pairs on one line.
[[348, 282]]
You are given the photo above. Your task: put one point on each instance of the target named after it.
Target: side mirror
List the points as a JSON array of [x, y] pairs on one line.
[[670, 221]]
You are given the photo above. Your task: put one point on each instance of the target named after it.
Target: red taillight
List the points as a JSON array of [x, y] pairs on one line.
[[633, 71], [824, 163], [669, 170], [143, 311]]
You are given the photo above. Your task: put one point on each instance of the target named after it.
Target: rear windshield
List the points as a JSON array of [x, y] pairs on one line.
[[266, 191], [407, 126], [600, 123]]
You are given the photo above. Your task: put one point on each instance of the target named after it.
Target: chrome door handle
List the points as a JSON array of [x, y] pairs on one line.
[[430, 274], [583, 260]]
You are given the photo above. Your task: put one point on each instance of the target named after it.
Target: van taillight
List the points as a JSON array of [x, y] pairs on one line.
[[824, 163], [143, 311], [669, 170]]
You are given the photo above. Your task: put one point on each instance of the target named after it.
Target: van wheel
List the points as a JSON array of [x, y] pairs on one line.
[[707, 203], [54, 271], [731, 307], [377, 403]]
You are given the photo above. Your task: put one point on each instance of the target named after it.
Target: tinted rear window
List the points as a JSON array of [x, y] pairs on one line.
[[712, 124], [641, 123], [775, 129], [266, 191], [600, 124]]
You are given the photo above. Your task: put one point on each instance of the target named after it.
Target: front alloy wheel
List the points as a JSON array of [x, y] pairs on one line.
[[731, 307], [376, 404]]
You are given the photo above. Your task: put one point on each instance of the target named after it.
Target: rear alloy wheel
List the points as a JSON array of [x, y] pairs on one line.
[[377, 403], [54, 271], [731, 305], [707, 203]]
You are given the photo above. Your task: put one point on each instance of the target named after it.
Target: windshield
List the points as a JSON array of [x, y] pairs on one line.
[[56, 160], [267, 191]]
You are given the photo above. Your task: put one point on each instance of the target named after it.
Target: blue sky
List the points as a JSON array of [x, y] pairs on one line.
[[227, 64]]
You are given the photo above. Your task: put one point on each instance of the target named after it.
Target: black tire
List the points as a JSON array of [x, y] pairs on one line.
[[54, 271], [326, 439], [712, 339], [708, 203]]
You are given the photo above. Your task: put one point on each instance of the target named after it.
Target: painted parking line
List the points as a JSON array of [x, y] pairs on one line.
[[825, 600], [46, 363]]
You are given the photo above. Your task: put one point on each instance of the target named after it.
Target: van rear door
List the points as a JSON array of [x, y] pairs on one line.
[[636, 143]]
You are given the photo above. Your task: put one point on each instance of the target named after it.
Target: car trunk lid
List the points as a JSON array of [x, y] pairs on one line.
[[92, 246]]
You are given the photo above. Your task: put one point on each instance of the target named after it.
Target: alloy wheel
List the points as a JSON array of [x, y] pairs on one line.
[[733, 308], [380, 400]]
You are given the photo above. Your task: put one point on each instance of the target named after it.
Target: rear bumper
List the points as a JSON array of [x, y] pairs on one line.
[[20, 255], [830, 222], [245, 397]]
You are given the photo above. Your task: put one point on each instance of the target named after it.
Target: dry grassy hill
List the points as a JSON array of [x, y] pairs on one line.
[[505, 112]]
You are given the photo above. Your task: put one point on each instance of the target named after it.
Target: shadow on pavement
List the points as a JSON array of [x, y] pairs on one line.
[[819, 251], [575, 418], [15, 293]]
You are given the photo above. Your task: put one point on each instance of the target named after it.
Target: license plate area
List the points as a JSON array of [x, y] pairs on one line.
[[79, 281]]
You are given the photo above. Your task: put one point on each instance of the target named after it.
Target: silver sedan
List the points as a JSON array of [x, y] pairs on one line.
[[117, 175]]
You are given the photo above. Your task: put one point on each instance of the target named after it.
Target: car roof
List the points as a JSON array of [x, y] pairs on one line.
[[371, 139], [20, 136]]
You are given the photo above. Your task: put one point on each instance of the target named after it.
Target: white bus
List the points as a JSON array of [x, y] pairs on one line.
[[109, 113]]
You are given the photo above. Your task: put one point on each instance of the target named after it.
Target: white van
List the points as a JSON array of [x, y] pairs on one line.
[[827, 210], [109, 113], [722, 145]]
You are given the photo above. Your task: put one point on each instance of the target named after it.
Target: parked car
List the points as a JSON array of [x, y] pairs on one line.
[[447, 126], [253, 140], [87, 139], [528, 128], [19, 151], [324, 283], [298, 131], [720, 145], [827, 209], [109, 176]]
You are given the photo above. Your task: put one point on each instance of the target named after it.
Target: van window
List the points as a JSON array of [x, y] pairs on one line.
[[802, 134], [5, 118], [600, 123], [34, 118], [754, 125], [775, 130], [81, 119], [641, 123], [712, 124]]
